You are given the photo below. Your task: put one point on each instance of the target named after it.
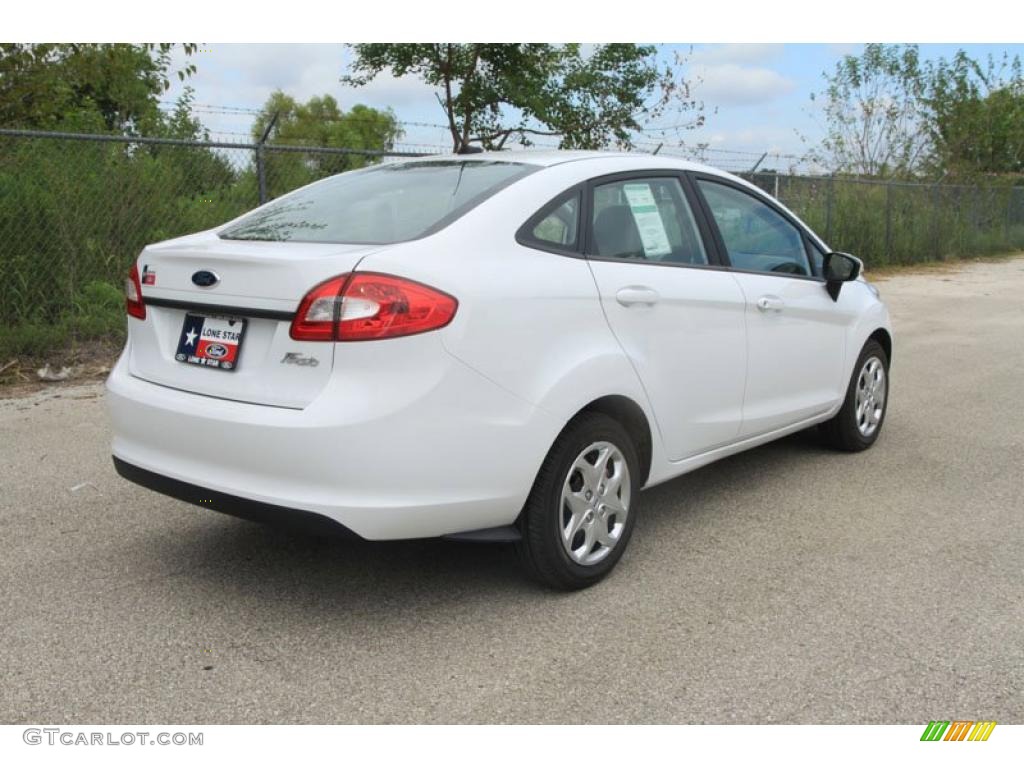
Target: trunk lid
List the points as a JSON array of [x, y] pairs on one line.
[[261, 283]]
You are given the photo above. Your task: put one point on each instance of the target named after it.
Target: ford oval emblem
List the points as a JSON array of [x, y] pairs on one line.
[[204, 278]]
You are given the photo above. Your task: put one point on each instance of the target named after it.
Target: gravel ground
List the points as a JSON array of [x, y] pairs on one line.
[[788, 584]]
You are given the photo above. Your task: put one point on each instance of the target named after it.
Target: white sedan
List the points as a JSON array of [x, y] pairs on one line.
[[493, 347]]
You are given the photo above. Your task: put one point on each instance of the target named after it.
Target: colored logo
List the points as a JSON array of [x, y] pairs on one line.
[[204, 278], [216, 351], [958, 730]]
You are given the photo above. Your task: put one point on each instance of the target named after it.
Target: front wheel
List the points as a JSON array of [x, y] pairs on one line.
[[859, 421], [580, 513]]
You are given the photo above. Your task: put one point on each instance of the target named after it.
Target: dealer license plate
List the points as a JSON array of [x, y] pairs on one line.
[[213, 342]]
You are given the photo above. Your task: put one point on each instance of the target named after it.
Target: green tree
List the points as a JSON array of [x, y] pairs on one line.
[[872, 107], [493, 92], [975, 115], [70, 86], [319, 122]]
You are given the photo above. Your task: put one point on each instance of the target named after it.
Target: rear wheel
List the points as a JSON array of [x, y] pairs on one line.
[[580, 513], [859, 421]]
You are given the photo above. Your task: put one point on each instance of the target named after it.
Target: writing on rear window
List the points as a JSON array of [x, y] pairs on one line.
[[385, 204]]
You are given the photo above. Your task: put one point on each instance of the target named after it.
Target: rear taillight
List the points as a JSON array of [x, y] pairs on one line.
[[133, 303], [365, 305]]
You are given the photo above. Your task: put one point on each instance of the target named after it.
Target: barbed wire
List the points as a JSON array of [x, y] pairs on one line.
[[722, 157], [169, 106], [211, 107]]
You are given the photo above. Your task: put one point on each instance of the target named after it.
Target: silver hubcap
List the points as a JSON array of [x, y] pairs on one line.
[[871, 391], [595, 503]]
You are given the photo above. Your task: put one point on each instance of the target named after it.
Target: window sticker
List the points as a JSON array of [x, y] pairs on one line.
[[648, 219]]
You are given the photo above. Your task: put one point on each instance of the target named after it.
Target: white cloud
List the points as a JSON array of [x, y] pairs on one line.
[[245, 75], [843, 49], [760, 138], [728, 84], [737, 53], [737, 74]]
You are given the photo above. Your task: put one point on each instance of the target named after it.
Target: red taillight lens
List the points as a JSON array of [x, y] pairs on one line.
[[365, 305], [383, 307], [134, 304]]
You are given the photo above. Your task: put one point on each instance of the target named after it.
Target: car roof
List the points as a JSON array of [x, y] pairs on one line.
[[544, 157], [601, 162], [550, 157]]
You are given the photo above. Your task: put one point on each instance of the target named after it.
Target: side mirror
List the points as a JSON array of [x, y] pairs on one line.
[[840, 268]]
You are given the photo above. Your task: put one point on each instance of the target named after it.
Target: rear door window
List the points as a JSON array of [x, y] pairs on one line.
[[645, 219]]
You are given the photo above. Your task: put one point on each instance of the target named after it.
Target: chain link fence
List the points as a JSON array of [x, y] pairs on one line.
[[75, 210], [892, 222]]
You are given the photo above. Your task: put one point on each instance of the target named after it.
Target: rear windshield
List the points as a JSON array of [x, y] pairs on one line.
[[383, 204]]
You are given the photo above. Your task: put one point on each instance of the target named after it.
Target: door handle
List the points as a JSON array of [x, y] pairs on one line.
[[637, 294], [770, 304]]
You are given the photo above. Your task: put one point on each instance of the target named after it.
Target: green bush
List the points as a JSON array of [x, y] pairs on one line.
[[75, 214], [99, 311], [95, 313], [890, 224], [32, 339]]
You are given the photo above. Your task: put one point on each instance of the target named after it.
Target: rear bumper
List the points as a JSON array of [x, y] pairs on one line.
[[427, 455], [259, 512]]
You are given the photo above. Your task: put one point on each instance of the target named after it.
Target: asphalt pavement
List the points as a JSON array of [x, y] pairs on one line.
[[789, 584]]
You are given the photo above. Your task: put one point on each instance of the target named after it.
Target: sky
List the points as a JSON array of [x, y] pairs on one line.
[[756, 96]]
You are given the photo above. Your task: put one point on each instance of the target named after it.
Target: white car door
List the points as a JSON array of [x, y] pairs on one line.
[[795, 331], [678, 316]]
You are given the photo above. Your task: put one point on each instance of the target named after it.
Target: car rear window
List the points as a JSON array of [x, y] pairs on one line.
[[383, 204]]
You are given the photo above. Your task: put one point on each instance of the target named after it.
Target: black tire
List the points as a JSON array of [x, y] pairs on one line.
[[541, 550], [842, 430]]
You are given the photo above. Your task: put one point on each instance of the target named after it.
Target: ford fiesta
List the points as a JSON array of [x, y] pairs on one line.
[[495, 347]]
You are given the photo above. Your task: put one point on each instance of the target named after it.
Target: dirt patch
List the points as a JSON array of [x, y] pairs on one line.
[[85, 362], [947, 267]]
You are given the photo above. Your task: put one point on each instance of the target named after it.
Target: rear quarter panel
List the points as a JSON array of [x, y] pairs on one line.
[[528, 320]]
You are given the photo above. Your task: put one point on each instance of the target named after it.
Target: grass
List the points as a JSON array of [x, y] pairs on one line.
[[96, 314]]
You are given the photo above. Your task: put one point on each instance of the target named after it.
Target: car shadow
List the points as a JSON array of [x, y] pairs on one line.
[[742, 470], [233, 556]]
